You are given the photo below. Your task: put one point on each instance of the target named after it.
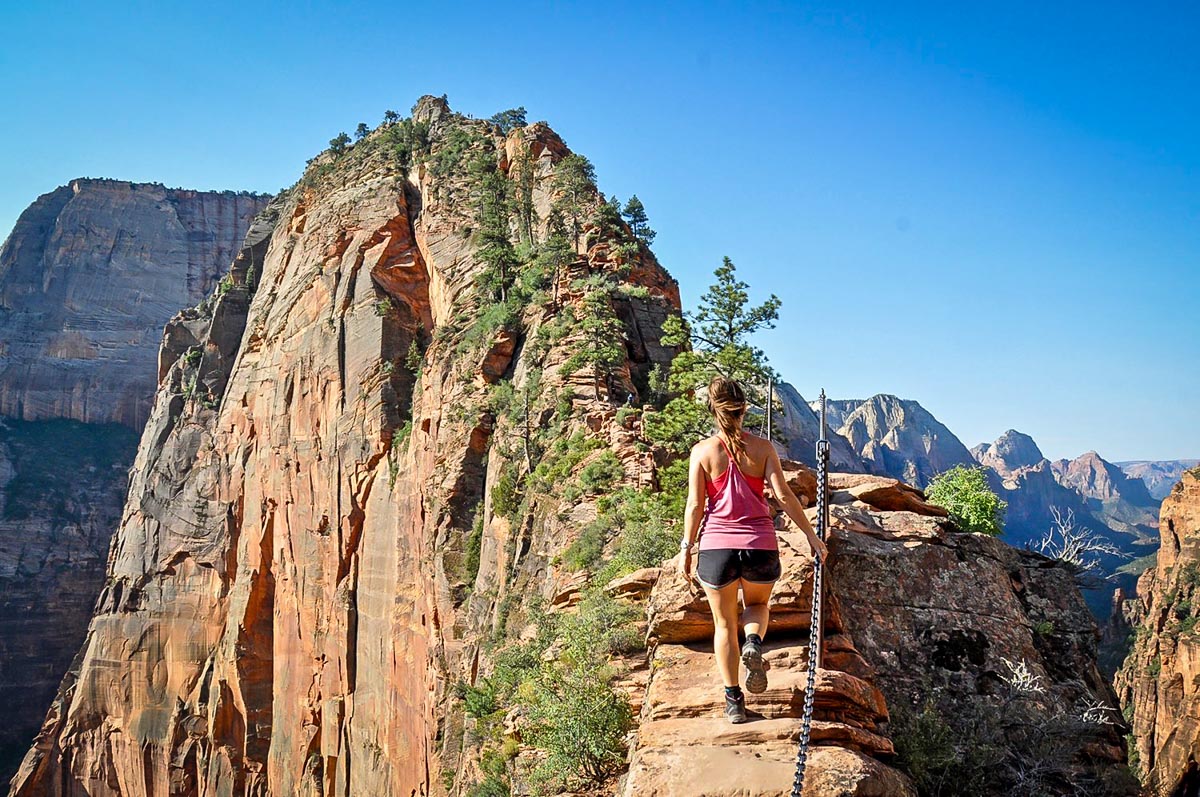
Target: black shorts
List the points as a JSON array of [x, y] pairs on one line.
[[718, 567]]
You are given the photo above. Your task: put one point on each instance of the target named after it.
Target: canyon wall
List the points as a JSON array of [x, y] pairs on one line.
[[88, 277], [284, 610], [324, 543], [1158, 681]]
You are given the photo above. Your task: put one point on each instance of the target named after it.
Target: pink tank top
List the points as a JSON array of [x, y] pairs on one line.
[[737, 516]]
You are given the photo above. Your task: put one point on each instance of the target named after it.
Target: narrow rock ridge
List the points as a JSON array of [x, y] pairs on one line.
[[285, 607]]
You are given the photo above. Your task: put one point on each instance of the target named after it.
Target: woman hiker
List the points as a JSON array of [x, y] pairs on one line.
[[738, 547]]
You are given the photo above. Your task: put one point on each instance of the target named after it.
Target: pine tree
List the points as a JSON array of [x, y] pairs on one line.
[[338, 143], [639, 222], [603, 335], [575, 183], [492, 232], [716, 340], [509, 120], [390, 117], [361, 131]]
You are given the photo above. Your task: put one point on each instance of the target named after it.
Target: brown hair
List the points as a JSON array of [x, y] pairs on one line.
[[727, 403]]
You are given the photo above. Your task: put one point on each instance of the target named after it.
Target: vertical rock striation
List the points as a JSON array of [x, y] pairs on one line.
[[89, 276]]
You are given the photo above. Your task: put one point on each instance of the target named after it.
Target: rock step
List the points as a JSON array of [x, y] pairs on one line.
[[710, 757], [685, 683]]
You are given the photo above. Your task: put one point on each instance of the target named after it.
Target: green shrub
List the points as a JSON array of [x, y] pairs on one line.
[[602, 473], [963, 492], [506, 498], [473, 546], [577, 718]]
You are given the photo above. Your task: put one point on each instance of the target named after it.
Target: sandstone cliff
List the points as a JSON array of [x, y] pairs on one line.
[[286, 606], [1157, 683], [800, 423], [88, 277]]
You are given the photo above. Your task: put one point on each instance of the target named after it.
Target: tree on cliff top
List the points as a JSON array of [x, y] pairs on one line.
[[639, 222], [509, 120], [338, 143], [575, 183], [718, 333]]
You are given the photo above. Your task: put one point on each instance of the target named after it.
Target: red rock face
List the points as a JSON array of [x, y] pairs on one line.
[[1157, 681], [280, 615]]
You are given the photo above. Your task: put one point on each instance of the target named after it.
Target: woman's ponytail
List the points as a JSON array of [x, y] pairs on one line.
[[727, 403]]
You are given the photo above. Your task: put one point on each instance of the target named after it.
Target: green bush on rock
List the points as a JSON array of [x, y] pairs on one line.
[[963, 492]]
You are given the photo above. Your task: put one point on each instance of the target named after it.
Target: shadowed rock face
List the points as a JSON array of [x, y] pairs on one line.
[[800, 422], [89, 276], [62, 487], [1157, 682]]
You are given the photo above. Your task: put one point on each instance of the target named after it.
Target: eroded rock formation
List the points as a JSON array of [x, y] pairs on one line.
[[900, 438], [88, 277], [1158, 681], [284, 611]]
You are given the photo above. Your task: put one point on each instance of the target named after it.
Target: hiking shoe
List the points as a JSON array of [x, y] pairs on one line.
[[735, 708], [756, 668]]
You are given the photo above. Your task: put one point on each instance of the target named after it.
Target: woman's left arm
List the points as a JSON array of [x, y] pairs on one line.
[[693, 513]]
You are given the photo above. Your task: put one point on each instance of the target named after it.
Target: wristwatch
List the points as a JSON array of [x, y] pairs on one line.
[[685, 545]]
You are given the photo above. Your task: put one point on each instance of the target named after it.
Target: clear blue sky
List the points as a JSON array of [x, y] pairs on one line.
[[990, 208]]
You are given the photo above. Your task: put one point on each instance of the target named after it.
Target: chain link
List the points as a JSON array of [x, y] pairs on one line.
[[814, 626]]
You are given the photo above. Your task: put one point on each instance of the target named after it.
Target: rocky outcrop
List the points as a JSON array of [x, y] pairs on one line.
[[900, 438], [914, 611], [88, 277], [1157, 683], [1159, 476], [799, 422], [947, 619], [287, 604]]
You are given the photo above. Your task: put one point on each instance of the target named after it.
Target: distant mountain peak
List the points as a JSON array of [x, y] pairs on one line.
[[1012, 451]]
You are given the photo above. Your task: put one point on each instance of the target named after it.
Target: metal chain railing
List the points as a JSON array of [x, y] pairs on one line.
[[814, 629]]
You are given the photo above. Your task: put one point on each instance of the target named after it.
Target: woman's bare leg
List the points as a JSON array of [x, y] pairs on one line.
[[724, 605], [757, 613]]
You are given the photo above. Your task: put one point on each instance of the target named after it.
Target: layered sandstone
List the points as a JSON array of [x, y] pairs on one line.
[[88, 277], [1158, 680], [290, 604]]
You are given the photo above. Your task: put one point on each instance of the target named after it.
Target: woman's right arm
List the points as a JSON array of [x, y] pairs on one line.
[[791, 504]]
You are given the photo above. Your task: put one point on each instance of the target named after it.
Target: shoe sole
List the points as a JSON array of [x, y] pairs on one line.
[[756, 675]]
